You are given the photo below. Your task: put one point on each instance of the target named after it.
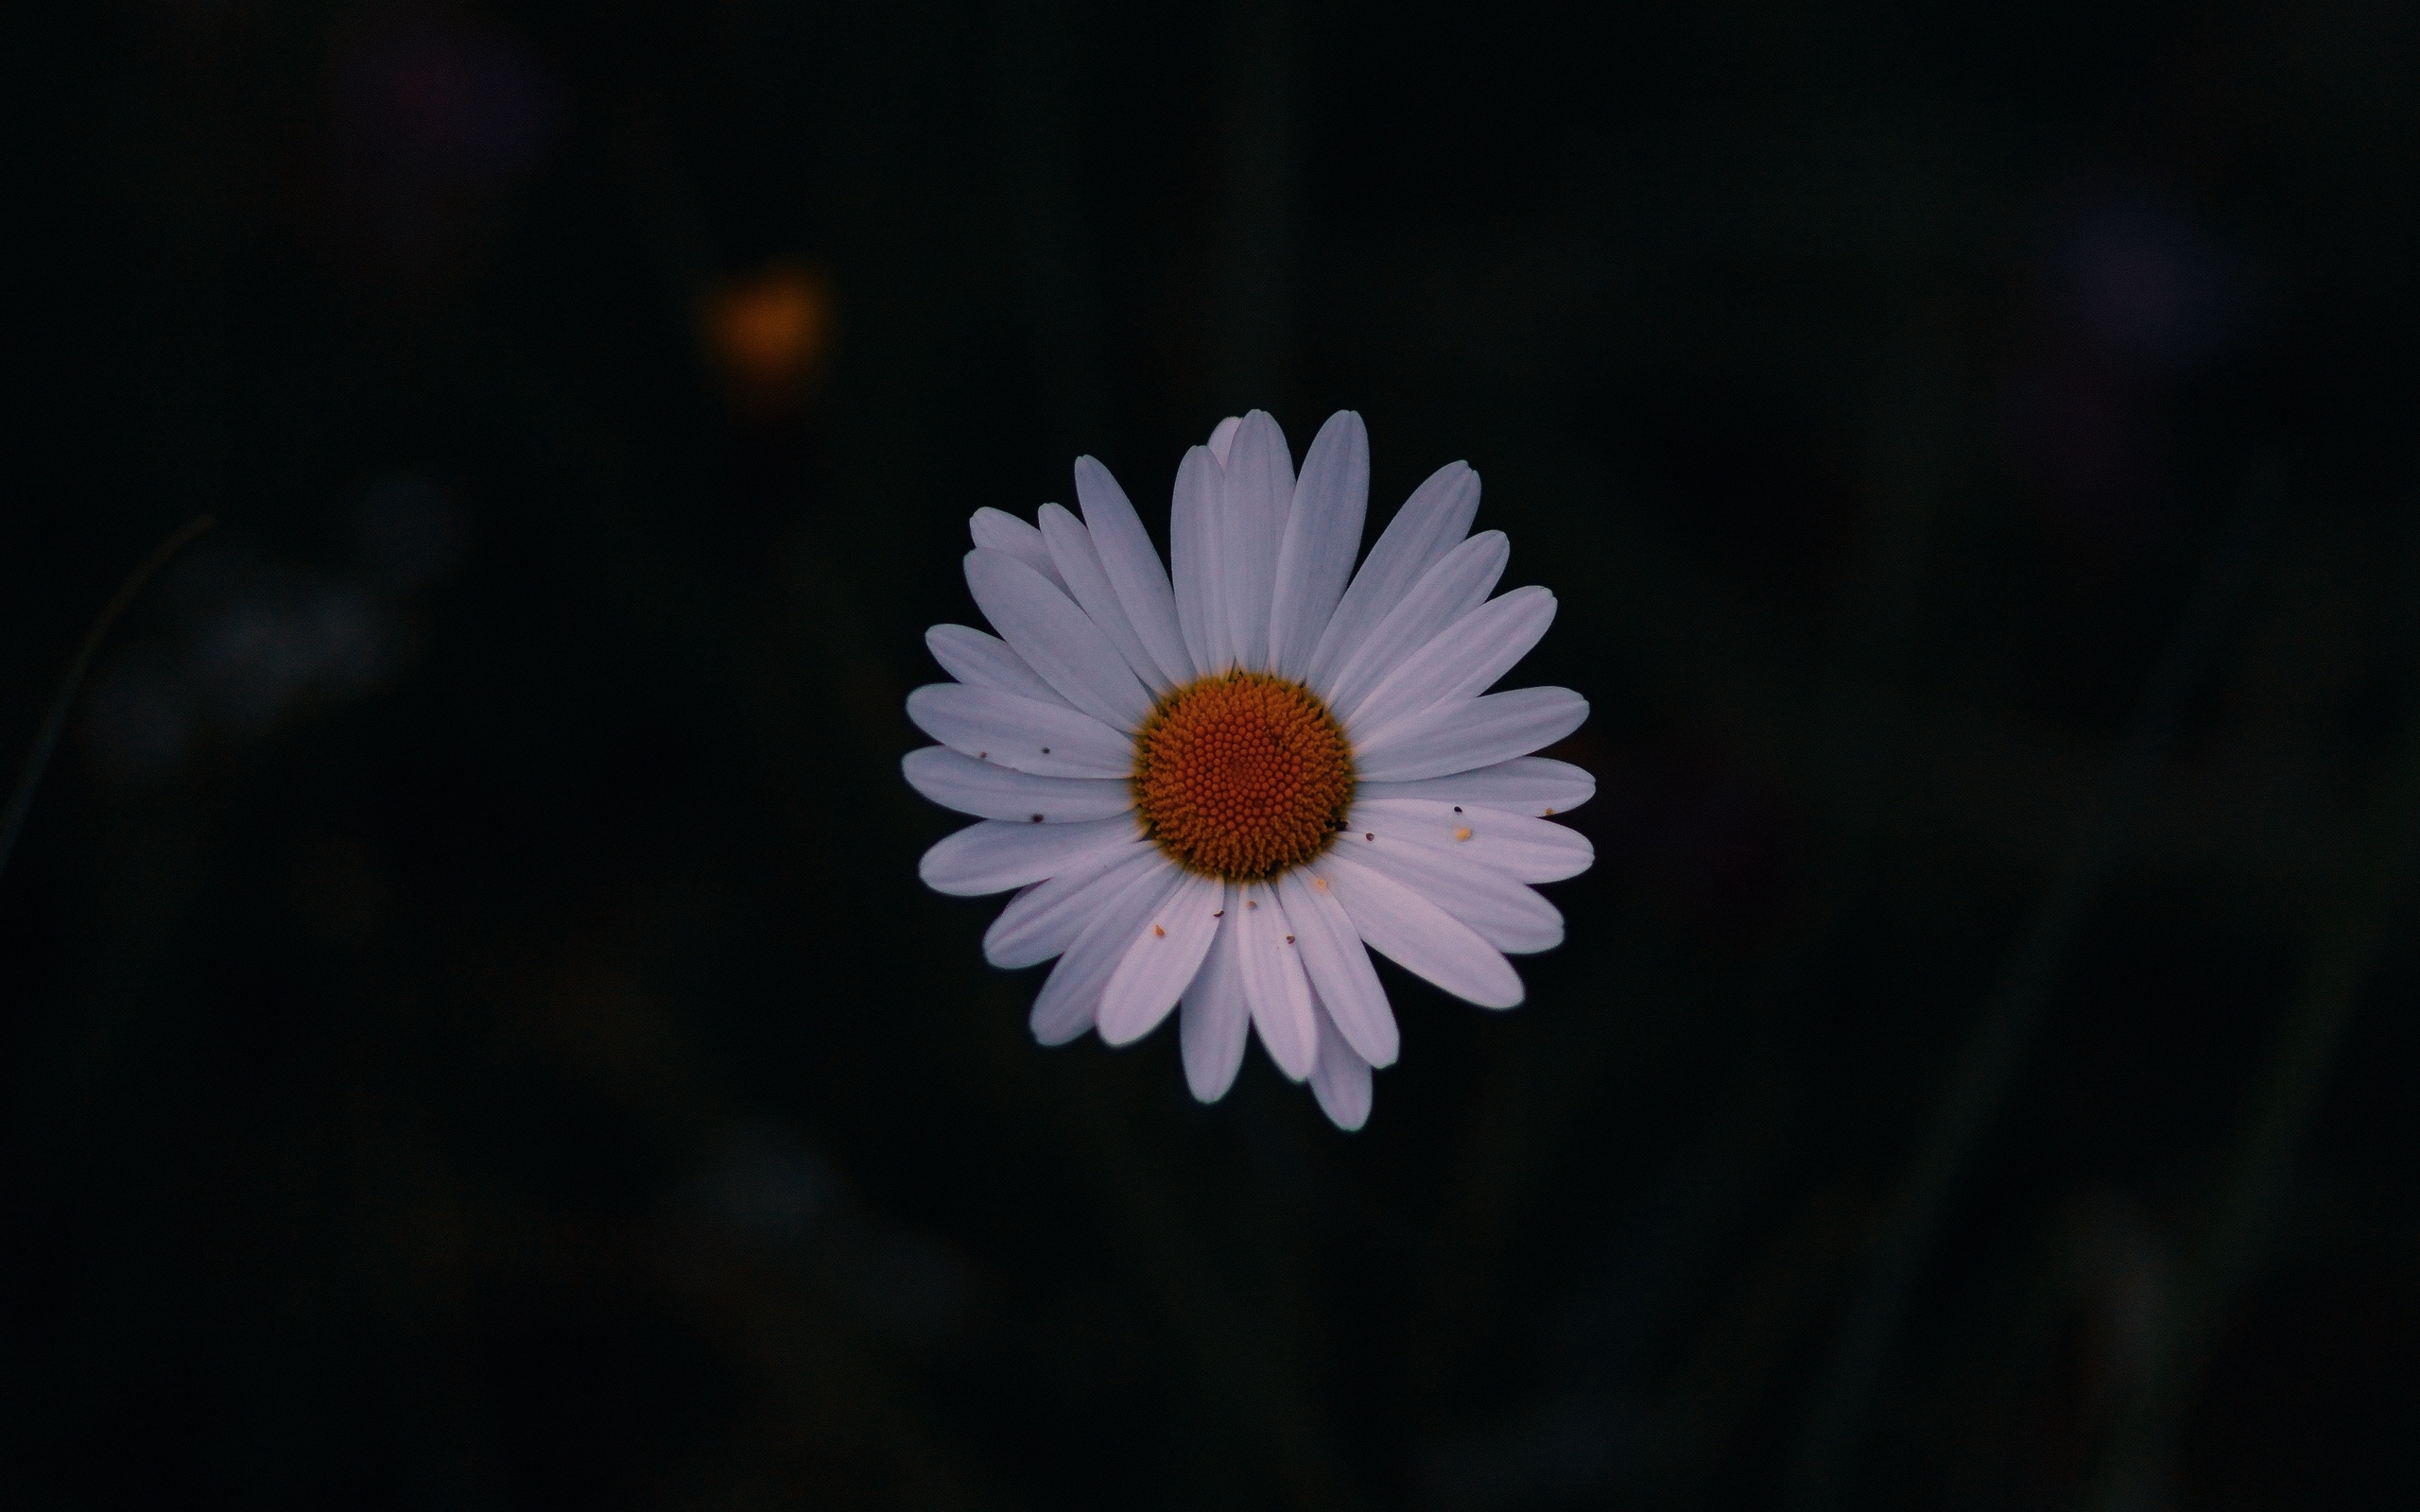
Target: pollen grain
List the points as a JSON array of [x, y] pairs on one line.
[[1242, 776]]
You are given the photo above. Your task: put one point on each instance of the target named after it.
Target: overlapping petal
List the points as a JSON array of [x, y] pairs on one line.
[[1048, 739], [1460, 663], [996, 856], [1457, 584], [1274, 985], [1056, 638], [1195, 563], [1524, 849], [1468, 732], [1043, 919], [998, 530], [1080, 565], [1214, 1020], [1525, 785], [1257, 492], [1162, 961], [1430, 524], [986, 661], [988, 791], [1406, 928], [1133, 565], [1322, 534], [1340, 1079], [1070, 996]]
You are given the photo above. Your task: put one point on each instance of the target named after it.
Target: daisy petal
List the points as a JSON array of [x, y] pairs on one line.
[[1454, 737], [1056, 639], [1215, 1020], [1223, 435], [1322, 535], [1048, 739], [998, 530], [1163, 960], [1193, 560], [1133, 567], [1339, 968], [1258, 494], [1430, 524], [987, 791], [1340, 1079], [1525, 785], [1457, 585], [995, 856], [1507, 915], [1274, 986], [1073, 549], [985, 661], [1524, 849], [1070, 996], [1460, 663], [1045, 918], [1420, 937]]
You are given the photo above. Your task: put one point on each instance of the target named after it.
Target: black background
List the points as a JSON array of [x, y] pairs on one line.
[[473, 1036]]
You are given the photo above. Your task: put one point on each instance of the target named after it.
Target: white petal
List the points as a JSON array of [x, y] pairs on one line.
[[1072, 548], [995, 856], [1430, 524], [1322, 536], [1071, 994], [1274, 986], [998, 530], [1340, 1080], [1420, 937], [1459, 584], [1162, 961], [1525, 785], [959, 782], [1507, 915], [983, 660], [1462, 662], [1223, 437], [1133, 567], [1215, 1020], [1045, 920], [1193, 543], [1456, 737], [1045, 738], [1057, 639], [1522, 847], [1339, 968], [1259, 495]]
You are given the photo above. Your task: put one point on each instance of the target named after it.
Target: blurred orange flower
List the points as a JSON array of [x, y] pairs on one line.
[[768, 330]]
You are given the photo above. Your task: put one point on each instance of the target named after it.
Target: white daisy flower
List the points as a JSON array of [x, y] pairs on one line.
[[1214, 794]]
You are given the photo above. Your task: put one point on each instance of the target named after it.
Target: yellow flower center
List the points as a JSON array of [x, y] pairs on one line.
[[1241, 776]]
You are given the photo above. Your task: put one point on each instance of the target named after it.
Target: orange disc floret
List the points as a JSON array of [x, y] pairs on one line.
[[1242, 776]]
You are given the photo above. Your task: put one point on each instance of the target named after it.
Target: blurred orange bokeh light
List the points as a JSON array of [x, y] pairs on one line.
[[768, 330]]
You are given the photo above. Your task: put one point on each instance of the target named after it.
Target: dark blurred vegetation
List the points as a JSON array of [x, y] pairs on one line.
[[475, 1038]]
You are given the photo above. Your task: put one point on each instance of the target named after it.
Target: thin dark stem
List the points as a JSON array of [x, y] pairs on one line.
[[2137, 1468], [1910, 1228], [38, 758]]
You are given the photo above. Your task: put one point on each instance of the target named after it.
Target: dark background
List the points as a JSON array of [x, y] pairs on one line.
[[472, 1034]]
